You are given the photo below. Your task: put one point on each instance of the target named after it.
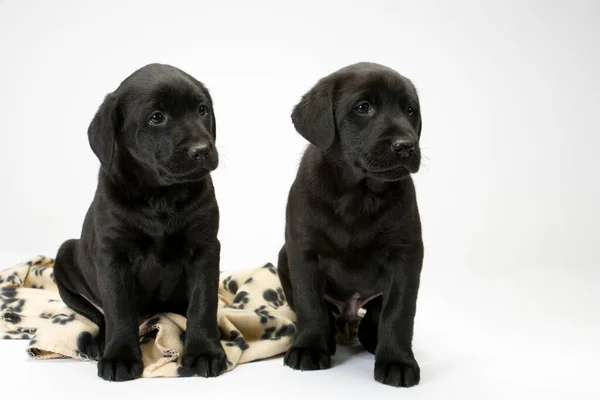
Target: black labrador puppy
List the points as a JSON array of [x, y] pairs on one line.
[[353, 232], [149, 239]]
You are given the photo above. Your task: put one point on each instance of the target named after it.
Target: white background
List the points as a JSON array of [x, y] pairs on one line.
[[508, 192]]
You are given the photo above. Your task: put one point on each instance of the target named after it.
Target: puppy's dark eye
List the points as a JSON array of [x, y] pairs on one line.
[[157, 118], [203, 110], [363, 107], [410, 111]]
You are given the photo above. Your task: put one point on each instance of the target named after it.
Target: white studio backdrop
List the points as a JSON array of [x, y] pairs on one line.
[[508, 191]]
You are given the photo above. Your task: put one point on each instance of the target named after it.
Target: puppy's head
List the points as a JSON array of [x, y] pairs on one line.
[[368, 116], [160, 119]]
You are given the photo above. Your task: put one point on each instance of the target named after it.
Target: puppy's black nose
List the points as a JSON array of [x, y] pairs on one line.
[[199, 152], [404, 148]]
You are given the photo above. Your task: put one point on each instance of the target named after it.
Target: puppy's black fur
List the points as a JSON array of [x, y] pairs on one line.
[[149, 239], [353, 232]]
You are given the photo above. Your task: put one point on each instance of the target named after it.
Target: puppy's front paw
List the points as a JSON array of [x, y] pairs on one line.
[[206, 365], [403, 374], [120, 368], [307, 359]]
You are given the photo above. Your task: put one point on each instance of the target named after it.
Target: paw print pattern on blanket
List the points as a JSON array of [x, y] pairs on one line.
[[12, 279], [236, 339], [230, 284], [11, 305], [240, 300], [274, 333], [19, 333], [254, 319], [61, 318], [276, 298], [264, 314], [271, 268]]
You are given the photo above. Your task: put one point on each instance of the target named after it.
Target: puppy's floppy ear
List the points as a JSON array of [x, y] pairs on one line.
[[102, 131], [420, 123], [313, 117], [213, 126]]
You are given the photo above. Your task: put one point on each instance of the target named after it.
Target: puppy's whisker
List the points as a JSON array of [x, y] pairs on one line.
[[223, 161], [423, 158], [223, 155]]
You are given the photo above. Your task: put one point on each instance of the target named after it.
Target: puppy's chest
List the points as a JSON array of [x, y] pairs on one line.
[[355, 245], [360, 206], [159, 264], [357, 273], [353, 232], [161, 225]]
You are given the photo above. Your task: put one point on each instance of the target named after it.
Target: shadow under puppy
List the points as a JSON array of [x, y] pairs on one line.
[[149, 239], [353, 231]]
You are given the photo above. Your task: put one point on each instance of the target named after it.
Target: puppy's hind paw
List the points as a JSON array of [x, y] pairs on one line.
[[399, 374], [90, 346], [206, 365], [307, 359], [120, 369]]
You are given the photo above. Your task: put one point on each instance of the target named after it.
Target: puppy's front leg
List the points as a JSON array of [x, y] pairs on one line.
[[395, 363], [202, 353], [122, 359], [312, 348]]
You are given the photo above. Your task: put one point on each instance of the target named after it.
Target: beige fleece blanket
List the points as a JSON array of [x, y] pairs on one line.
[[254, 319]]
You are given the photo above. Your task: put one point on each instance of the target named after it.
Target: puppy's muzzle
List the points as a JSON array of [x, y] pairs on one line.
[[199, 151], [404, 147]]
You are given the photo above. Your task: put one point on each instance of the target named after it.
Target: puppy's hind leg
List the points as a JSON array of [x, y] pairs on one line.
[[369, 325], [66, 272], [283, 270], [332, 329], [87, 344]]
